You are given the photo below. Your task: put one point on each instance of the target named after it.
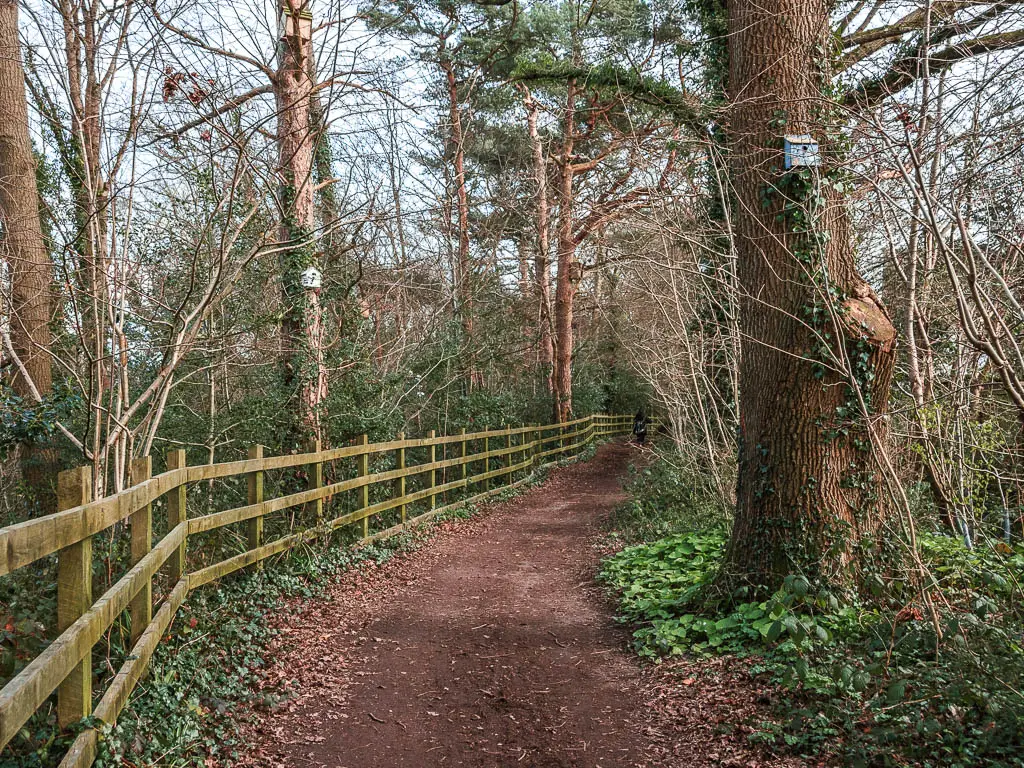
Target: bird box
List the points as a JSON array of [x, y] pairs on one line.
[[801, 151], [289, 24], [311, 278]]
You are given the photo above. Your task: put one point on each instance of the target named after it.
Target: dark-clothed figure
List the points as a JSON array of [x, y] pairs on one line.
[[640, 427]]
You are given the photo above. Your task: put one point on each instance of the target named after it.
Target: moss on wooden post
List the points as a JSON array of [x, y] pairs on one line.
[[254, 525], [141, 524], [177, 513], [74, 596], [362, 470]]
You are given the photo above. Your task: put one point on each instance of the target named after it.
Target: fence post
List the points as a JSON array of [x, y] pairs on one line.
[[463, 452], [487, 459], [177, 513], [508, 454], [521, 453], [254, 525], [433, 473], [400, 486], [316, 479], [74, 597], [528, 447], [362, 470], [141, 523]]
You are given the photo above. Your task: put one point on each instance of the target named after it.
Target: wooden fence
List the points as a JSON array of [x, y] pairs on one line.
[[65, 666]]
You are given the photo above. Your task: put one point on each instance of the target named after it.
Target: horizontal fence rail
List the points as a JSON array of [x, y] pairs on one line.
[[500, 459]]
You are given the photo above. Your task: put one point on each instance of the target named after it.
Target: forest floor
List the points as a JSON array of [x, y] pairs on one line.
[[492, 645]]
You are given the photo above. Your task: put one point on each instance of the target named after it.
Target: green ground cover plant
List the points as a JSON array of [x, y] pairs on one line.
[[862, 681]]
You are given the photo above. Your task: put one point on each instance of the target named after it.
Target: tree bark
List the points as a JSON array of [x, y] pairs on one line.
[[302, 323], [25, 252], [79, 151], [569, 272], [464, 267], [809, 497], [542, 261]]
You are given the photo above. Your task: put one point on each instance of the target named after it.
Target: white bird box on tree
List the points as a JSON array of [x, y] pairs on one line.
[[286, 22], [311, 278]]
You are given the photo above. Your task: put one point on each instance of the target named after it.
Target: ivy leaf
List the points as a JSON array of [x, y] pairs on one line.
[[896, 691]]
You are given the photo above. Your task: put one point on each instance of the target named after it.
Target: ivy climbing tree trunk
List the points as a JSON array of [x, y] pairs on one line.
[[26, 255], [302, 329], [817, 343]]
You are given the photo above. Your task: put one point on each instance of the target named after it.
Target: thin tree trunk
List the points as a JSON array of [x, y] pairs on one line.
[[464, 267], [25, 251], [568, 275], [542, 261], [809, 498], [80, 155]]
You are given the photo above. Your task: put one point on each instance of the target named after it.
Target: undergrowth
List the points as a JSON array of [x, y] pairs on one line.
[[664, 499], [859, 684]]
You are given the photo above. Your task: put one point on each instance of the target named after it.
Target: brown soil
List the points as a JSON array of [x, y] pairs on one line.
[[492, 646]]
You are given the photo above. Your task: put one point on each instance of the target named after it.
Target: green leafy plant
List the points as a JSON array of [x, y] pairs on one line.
[[865, 682]]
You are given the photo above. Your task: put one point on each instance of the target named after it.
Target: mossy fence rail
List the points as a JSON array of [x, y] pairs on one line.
[[64, 667]]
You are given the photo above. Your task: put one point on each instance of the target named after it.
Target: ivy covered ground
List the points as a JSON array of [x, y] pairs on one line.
[[861, 682]]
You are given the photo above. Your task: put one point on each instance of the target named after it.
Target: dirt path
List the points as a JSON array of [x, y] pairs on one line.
[[489, 647]]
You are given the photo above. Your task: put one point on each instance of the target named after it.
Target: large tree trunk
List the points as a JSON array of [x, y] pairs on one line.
[[302, 325], [542, 260], [25, 252], [810, 496]]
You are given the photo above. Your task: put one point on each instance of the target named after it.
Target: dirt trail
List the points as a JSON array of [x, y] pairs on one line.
[[488, 647]]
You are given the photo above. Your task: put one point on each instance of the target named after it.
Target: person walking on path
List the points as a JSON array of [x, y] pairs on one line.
[[640, 427]]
